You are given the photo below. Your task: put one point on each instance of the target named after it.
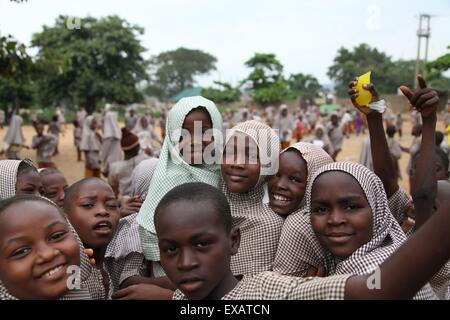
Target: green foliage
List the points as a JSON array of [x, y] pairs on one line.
[[16, 69], [436, 69], [266, 80], [224, 94], [97, 61], [305, 85], [174, 71]]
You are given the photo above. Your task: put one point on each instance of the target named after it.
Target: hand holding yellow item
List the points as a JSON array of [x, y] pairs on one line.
[[364, 95]]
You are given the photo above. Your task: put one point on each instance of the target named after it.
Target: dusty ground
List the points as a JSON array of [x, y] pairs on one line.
[[73, 170]]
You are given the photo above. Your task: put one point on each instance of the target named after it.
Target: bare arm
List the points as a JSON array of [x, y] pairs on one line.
[[383, 165]]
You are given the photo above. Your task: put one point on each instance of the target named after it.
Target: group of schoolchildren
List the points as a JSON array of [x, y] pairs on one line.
[[258, 222]]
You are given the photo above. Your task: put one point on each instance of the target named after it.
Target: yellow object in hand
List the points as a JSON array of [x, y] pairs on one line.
[[364, 95]]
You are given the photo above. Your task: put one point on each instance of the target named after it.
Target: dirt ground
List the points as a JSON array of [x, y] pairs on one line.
[[66, 160]]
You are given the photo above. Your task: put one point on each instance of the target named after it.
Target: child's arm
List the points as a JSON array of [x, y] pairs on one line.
[[425, 100], [383, 165], [431, 243], [162, 282]]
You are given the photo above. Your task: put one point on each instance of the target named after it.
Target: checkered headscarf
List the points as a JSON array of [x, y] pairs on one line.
[[260, 227], [8, 176], [387, 234]]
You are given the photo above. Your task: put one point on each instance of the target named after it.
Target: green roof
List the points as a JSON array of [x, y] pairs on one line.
[[327, 108], [189, 92]]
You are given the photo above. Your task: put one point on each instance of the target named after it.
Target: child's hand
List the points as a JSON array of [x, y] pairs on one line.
[[129, 205], [143, 291], [316, 272], [353, 93], [90, 254], [425, 100]]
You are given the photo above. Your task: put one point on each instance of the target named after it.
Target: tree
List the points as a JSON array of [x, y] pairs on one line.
[[225, 93], [266, 80], [16, 68], [173, 71], [304, 85], [94, 61], [436, 68], [349, 64]]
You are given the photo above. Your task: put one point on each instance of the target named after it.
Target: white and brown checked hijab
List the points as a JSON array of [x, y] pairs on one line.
[[387, 233], [8, 176], [297, 232], [260, 227], [84, 293]]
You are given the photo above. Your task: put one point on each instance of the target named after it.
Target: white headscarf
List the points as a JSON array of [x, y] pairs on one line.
[[15, 134], [89, 142], [111, 127]]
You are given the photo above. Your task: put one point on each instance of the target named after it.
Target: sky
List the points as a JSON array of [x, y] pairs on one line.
[[304, 34]]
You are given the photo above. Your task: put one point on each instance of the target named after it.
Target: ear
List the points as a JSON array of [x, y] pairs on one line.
[[235, 240]]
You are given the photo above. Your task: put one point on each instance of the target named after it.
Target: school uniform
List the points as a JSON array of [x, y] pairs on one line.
[[111, 151], [91, 144], [273, 286], [387, 234], [14, 139], [45, 146], [260, 227], [120, 173], [172, 170]]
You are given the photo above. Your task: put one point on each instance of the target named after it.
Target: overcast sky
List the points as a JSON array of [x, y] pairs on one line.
[[304, 34]]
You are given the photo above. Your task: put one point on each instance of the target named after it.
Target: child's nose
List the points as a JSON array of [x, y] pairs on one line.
[[187, 260], [46, 253], [336, 217], [102, 212]]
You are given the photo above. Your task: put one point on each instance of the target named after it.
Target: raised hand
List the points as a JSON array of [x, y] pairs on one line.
[[425, 100], [353, 93]]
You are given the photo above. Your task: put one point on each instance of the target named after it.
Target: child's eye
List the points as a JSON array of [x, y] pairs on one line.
[[87, 205], [112, 206], [50, 195], [170, 250], [57, 235], [295, 179], [351, 207], [202, 244], [20, 253], [319, 210]]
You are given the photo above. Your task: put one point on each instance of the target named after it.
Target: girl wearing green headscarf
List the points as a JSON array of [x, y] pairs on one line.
[[193, 127]]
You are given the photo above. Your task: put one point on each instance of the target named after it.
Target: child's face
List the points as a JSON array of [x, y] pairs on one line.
[[287, 187], [94, 213], [240, 165], [39, 129], [340, 214], [441, 172], [36, 248], [195, 249], [28, 182], [93, 125], [197, 141], [53, 187], [319, 133], [144, 122], [334, 120]]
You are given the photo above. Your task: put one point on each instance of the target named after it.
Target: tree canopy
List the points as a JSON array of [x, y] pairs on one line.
[[99, 61]]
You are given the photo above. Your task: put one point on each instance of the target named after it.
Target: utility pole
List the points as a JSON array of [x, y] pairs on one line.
[[422, 32]]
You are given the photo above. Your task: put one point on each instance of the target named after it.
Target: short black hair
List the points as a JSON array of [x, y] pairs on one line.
[[75, 187], [48, 171], [25, 165], [5, 204], [440, 153], [391, 130], [439, 138], [199, 192]]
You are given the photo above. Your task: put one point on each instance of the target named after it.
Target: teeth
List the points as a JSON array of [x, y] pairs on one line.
[[281, 198], [53, 271]]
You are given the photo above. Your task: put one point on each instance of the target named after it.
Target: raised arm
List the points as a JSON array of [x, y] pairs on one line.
[[424, 187], [383, 164]]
